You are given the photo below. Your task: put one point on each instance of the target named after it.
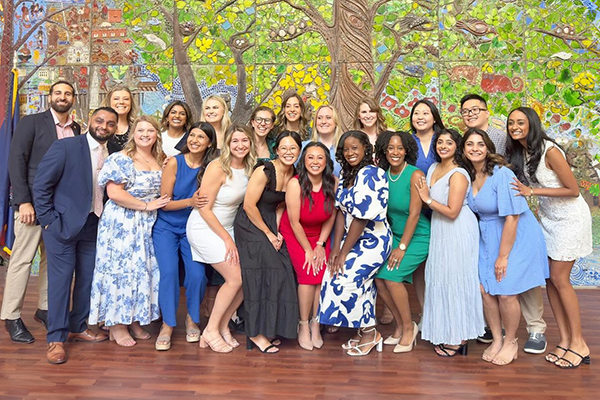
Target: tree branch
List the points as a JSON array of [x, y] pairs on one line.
[[170, 17], [37, 67], [26, 37], [319, 23], [291, 37], [265, 95], [566, 38], [224, 6], [191, 39]]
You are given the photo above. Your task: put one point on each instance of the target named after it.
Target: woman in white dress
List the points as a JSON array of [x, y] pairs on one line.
[[566, 222], [210, 230]]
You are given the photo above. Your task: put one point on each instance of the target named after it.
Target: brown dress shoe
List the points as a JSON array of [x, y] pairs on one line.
[[56, 353], [87, 336]]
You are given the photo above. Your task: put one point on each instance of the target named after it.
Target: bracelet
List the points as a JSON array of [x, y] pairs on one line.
[[145, 206], [321, 244], [531, 193]]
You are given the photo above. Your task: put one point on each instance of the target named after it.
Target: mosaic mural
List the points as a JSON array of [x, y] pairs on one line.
[[545, 54]]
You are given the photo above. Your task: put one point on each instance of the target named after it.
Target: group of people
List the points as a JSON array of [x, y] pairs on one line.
[[294, 228]]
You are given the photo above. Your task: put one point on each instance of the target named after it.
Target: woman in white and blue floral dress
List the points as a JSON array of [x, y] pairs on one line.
[[125, 285], [348, 291]]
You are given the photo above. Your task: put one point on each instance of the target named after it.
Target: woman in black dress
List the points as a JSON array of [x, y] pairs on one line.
[[268, 281]]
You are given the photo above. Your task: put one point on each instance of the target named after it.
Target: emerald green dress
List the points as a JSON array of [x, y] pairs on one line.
[[397, 214]]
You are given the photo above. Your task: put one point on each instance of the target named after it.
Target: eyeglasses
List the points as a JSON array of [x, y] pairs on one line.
[[472, 111], [284, 149], [266, 121]]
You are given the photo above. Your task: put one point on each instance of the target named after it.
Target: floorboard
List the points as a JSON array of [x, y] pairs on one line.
[[107, 371]]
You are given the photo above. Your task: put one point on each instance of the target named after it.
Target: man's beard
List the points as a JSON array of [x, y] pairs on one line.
[[61, 108]]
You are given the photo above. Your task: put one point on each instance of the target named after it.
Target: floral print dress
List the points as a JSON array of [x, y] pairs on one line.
[[125, 284]]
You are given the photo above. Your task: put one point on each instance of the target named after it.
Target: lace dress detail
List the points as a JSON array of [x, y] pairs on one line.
[[566, 221]]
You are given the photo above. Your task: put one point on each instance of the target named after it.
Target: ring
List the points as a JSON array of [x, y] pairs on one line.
[[395, 260]]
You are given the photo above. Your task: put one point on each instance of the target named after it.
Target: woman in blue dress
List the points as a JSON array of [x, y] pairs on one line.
[[453, 312], [425, 124], [180, 180], [512, 250], [125, 284], [362, 243]]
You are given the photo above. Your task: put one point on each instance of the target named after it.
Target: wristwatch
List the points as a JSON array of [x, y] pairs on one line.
[[429, 201], [402, 247]]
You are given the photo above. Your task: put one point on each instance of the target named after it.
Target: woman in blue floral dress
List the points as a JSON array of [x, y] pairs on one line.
[[348, 291], [125, 285]]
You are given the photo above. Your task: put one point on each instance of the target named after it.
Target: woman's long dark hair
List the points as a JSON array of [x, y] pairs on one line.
[[515, 152], [328, 182], [210, 153], [383, 141], [349, 172], [456, 138], [491, 159], [438, 125]]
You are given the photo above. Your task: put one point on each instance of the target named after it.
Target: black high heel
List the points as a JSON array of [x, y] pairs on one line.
[[463, 350], [250, 345]]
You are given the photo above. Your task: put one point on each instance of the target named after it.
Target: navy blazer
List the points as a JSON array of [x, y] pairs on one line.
[[32, 138], [62, 189]]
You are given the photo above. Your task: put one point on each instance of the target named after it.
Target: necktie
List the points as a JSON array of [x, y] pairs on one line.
[[98, 192]]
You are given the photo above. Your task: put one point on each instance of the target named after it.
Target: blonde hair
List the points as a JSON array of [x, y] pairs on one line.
[[133, 111], [374, 107], [336, 120], [131, 148], [225, 121], [225, 157]]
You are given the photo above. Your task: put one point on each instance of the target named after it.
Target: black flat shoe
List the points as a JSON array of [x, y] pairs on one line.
[[42, 317], [18, 331]]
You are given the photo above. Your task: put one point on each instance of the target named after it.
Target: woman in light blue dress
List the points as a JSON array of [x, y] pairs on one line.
[[362, 243], [125, 284], [512, 249], [453, 311]]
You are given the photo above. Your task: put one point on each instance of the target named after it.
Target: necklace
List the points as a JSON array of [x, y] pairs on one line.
[[143, 159], [399, 174]]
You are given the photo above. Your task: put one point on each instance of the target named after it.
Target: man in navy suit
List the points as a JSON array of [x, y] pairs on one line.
[[32, 139], [68, 203]]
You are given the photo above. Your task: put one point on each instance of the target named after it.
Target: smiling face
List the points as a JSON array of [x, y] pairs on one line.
[[102, 125], [292, 109], [475, 114], [445, 146], [213, 111], [197, 141], [518, 125], [353, 151], [475, 149], [144, 135], [325, 123], [263, 123], [315, 160], [61, 98], [239, 145], [395, 153], [366, 116], [120, 101], [177, 117], [422, 119], [288, 151]]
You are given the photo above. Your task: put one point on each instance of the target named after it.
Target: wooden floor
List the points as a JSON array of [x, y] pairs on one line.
[[107, 371]]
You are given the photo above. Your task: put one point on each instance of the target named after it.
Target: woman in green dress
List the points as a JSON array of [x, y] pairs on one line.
[[396, 152]]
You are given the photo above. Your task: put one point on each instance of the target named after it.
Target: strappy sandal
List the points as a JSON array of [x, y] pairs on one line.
[[218, 345], [584, 360], [462, 350], [351, 343], [230, 340], [376, 343], [250, 345], [556, 357]]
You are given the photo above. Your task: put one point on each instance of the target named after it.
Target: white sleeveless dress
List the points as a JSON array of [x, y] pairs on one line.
[[566, 221], [206, 245]]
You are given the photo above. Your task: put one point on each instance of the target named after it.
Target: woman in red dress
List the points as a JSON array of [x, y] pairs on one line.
[[305, 225]]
